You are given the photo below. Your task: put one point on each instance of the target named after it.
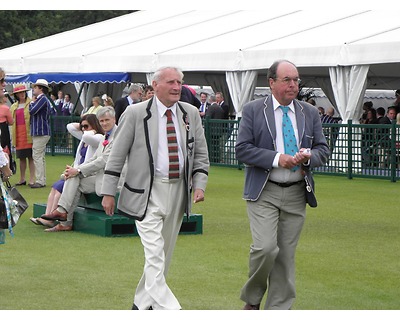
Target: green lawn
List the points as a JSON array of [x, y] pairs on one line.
[[347, 258]]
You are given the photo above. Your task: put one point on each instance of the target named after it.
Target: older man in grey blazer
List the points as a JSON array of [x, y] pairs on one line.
[[151, 195], [275, 186]]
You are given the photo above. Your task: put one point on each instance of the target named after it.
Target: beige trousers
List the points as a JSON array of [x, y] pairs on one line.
[[158, 232], [72, 191], [39, 157]]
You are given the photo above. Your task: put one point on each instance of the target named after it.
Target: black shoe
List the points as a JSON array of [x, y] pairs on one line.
[[134, 307], [23, 183], [251, 306]]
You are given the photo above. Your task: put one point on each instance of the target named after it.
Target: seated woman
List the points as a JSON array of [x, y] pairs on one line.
[[90, 133]]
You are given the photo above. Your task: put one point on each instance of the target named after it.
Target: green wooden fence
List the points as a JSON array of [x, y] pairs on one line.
[[358, 150]]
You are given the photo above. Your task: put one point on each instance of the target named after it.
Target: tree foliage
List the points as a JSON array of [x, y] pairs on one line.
[[27, 25]]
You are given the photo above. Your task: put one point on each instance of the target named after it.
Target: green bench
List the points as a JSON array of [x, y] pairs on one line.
[[89, 217]]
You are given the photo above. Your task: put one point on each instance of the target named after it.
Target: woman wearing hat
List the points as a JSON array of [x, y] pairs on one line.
[[21, 133]]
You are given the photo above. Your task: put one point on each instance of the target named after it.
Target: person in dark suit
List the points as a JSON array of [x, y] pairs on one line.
[[135, 93], [204, 104], [383, 139], [188, 96], [215, 111], [223, 104], [275, 184]]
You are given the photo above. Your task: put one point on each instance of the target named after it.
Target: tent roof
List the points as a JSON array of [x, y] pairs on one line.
[[218, 41]]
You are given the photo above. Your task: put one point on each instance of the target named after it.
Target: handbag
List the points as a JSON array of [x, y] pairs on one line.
[[310, 196], [12, 205]]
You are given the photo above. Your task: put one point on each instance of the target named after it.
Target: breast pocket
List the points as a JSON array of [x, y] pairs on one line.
[[309, 140]]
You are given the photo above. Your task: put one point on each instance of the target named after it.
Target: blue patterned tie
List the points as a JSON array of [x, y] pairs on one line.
[[289, 138]]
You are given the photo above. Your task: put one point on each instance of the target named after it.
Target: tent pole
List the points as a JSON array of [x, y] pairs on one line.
[[77, 99]]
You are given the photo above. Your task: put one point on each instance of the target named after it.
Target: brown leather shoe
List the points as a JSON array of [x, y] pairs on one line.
[[59, 227], [55, 215], [251, 307]]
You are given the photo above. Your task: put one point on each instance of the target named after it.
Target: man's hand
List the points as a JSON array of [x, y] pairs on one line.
[[108, 204], [7, 173], [302, 156], [198, 195], [70, 172], [286, 161]]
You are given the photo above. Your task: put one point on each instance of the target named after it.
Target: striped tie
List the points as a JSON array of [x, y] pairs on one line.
[[172, 147]]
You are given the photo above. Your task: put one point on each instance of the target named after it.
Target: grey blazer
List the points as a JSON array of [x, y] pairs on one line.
[[97, 163], [136, 140], [256, 142]]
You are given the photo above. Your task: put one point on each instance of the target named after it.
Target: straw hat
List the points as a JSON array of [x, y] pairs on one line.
[[19, 88], [41, 82]]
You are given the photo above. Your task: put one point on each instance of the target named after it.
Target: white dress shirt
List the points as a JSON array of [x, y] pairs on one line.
[[162, 162], [281, 174]]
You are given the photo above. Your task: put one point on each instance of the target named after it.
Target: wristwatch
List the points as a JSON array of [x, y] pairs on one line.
[[80, 173]]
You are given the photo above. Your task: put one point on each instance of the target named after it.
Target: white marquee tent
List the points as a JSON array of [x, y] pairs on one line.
[[342, 52]]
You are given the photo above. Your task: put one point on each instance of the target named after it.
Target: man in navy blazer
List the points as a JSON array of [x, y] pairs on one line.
[[135, 93], [223, 104], [275, 186]]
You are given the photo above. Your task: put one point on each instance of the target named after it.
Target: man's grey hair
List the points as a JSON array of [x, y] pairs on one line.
[[104, 110], [134, 88], [157, 74], [213, 98]]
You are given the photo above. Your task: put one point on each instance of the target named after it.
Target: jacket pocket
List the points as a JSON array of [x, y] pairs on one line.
[[133, 201]]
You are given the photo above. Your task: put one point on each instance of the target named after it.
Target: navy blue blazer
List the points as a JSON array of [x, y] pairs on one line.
[[120, 106], [256, 142]]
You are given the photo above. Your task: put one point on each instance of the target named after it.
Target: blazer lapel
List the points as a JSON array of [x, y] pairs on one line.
[[150, 128], [300, 119], [270, 117], [184, 125]]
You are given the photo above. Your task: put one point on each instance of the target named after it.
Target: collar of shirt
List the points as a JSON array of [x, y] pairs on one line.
[[276, 104], [130, 100], [112, 129], [162, 108]]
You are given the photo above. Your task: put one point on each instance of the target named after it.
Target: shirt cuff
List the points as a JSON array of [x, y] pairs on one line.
[[275, 164]]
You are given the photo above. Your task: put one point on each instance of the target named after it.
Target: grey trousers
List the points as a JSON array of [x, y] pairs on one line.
[[276, 220]]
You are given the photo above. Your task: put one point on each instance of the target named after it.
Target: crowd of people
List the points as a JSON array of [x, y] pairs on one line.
[[376, 141], [376, 146]]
